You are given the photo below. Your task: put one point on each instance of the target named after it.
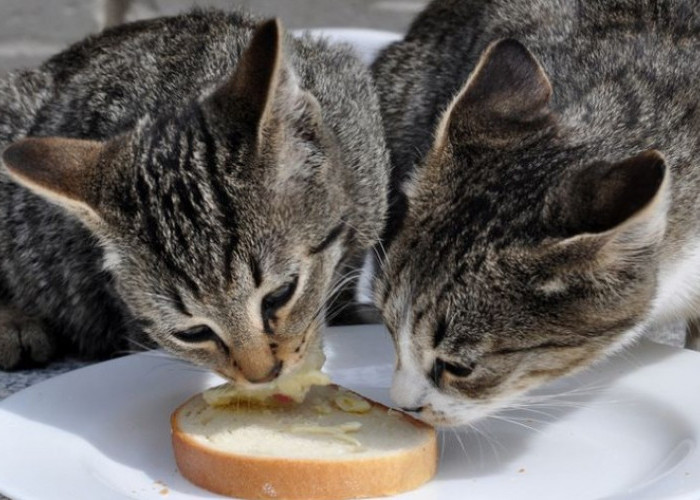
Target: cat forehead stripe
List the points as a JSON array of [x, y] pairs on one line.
[[329, 239], [228, 217], [255, 270], [440, 332]]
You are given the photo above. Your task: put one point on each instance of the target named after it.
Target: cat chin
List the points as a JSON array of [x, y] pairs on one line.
[[438, 409], [441, 410]]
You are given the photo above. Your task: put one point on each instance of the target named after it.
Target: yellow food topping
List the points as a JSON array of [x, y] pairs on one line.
[[295, 387], [322, 407], [339, 432], [351, 403]]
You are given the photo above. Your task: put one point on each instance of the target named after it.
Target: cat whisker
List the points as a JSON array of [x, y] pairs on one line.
[[526, 408], [344, 280], [478, 434], [335, 309], [334, 313], [145, 347], [580, 400], [330, 297], [515, 422], [478, 437], [151, 353], [492, 441], [461, 444], [375, 249], [173, 366], [442, 446]]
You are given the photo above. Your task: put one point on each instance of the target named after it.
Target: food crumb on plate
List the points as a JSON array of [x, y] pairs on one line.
[[521, 470], [164, 487]]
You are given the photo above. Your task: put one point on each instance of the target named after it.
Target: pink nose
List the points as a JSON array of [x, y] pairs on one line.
[[257, 363], [272, 374]]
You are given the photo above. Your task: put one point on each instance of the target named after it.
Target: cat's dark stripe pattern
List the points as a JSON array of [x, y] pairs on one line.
[[545, 181], [169, 174]]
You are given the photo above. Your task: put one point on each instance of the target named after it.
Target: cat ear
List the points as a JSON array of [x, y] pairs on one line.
[[622, 205], [249, 94], [503, 102], [64, 171]]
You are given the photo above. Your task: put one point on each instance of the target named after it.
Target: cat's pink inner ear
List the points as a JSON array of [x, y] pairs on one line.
[[249, 93], [62, 169], [504, 101]]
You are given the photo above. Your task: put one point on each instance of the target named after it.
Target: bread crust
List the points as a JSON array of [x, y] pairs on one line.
[[253, 477]]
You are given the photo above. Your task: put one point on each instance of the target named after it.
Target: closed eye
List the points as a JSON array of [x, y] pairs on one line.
[[441, 367], [275, 300], [279, 297], [199, 333], [459, 370]]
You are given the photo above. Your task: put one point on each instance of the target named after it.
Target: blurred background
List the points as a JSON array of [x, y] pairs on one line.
[[32, 30]]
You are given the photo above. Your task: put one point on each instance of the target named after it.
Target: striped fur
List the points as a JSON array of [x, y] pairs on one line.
[[231, 160], [533, 224]]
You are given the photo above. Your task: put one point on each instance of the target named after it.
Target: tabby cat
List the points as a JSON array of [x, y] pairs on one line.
[[206, 176], [545, 190]]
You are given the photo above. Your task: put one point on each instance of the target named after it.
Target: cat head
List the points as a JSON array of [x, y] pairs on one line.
[[223, 224], [524, 254]]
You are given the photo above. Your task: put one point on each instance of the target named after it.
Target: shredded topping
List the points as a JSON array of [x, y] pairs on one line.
[[351, 403], [339, 432], [279, 392]]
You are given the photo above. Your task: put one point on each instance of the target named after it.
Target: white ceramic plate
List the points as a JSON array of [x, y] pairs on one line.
[[627, 429]]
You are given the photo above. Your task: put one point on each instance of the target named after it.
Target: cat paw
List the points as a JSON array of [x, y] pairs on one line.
[[23, 341]]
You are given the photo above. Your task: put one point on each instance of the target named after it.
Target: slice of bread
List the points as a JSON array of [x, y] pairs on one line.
[[334, 445]]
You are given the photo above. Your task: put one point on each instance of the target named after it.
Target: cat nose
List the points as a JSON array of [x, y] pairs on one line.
[[256, 362], [271, 375]]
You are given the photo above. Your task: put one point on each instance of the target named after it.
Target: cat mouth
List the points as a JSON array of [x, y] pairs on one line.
[[237, 379], [452, 414], [432, 416]]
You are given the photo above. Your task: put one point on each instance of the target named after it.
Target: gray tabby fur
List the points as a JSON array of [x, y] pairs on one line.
[[200, 191], [544, 191]]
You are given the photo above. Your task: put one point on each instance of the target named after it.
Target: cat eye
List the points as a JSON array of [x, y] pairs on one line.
[[278, 298], [200, 333], [459, 370], [440, 367]]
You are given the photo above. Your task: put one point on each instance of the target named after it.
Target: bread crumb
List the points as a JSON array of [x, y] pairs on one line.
[[164, 487], [521, 470]]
